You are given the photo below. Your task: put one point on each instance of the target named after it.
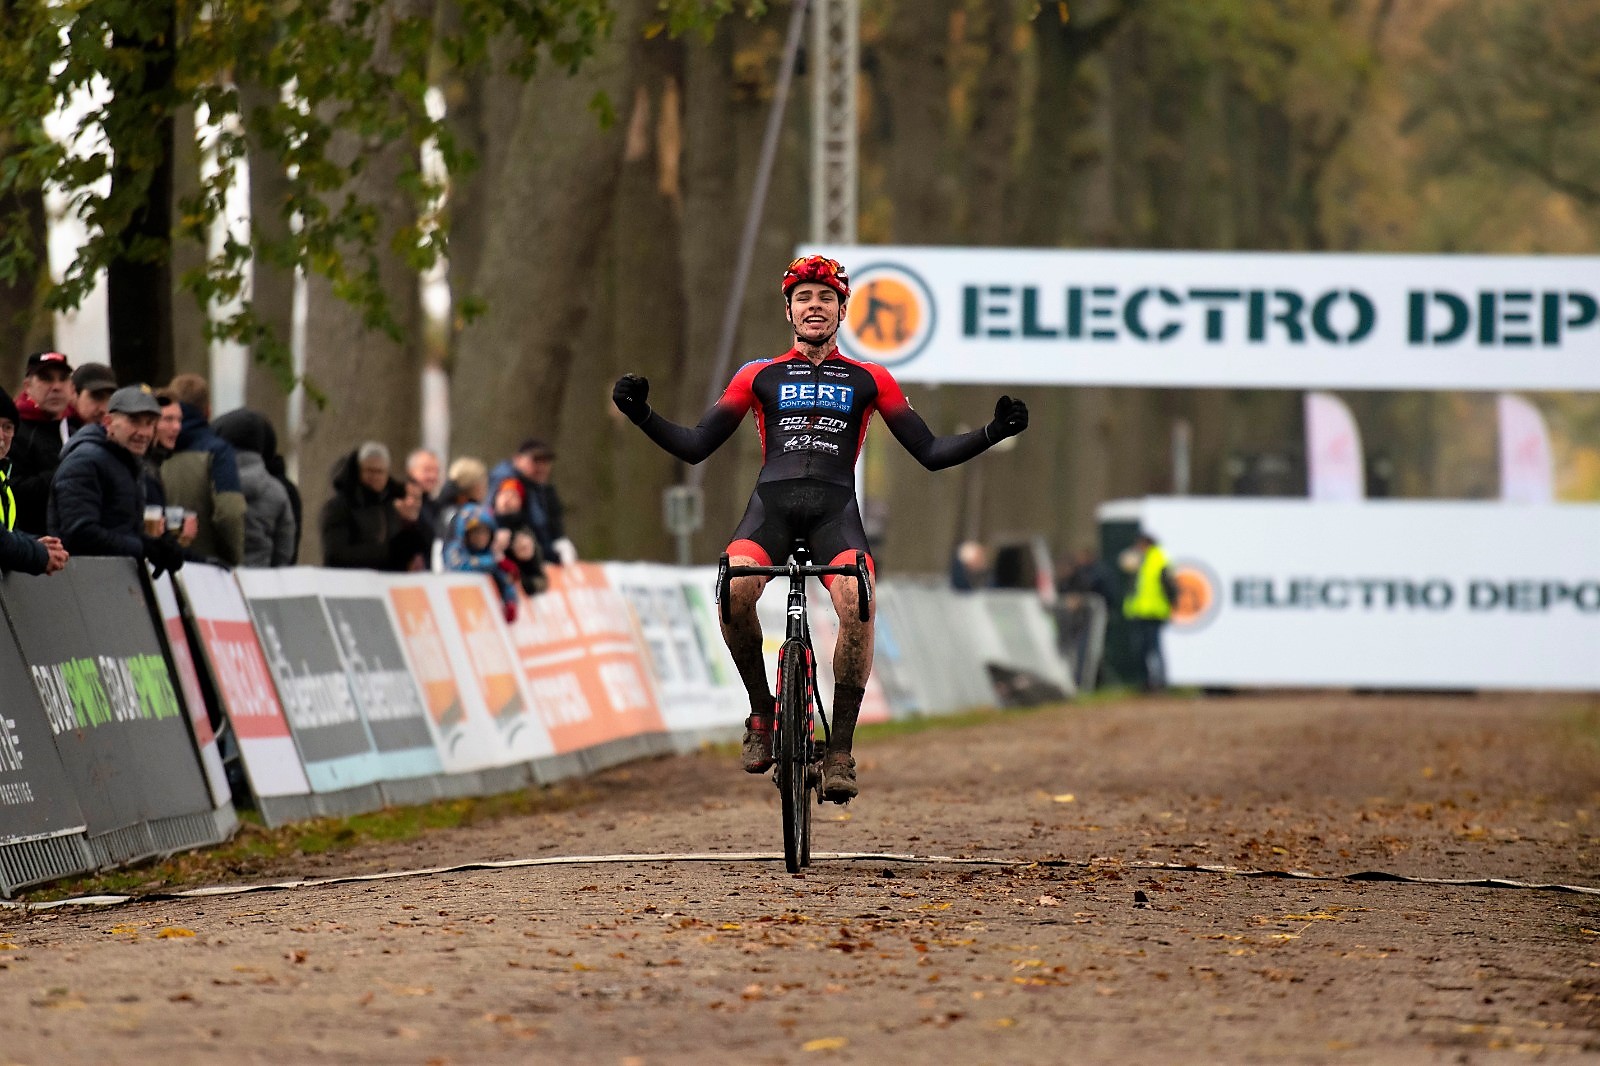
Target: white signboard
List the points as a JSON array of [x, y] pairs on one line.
[[1414, 594], [1224, 319]]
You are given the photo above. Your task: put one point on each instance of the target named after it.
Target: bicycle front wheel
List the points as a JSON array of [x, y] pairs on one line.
[[793, 754]]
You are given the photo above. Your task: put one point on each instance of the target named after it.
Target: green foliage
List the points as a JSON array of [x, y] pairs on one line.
[[1518, 86], [349, 77]]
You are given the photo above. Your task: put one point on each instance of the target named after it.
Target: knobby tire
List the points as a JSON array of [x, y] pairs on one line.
[[792, 756]]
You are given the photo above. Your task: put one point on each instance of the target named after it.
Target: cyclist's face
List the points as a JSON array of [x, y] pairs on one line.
[[814, 311]]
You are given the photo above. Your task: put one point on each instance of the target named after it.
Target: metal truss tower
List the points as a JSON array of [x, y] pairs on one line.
[[835, 58]]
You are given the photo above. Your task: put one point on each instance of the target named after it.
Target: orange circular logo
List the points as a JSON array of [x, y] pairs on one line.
[[1198, 598], [890, 317]]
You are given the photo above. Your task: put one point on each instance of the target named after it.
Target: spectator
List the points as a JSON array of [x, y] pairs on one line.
[[1148, 605], [469, 483], [202, 475], [168, 425], [524, 555], [36, 451], [510, 513], [475, 546], [372, 520], [92, 386], [20, 551], [97, 499], [511, 505], [269, 529], [1088, 573], [422, 466], [532, 466], [969, 567], [280, 473]]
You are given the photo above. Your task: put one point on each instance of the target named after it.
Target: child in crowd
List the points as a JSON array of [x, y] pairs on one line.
[[475, 547], [510, 513]]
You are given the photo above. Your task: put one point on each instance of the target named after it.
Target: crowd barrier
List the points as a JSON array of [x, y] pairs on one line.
[[138, 711]]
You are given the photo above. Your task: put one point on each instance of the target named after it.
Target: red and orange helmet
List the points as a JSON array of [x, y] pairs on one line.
[[820, 269]]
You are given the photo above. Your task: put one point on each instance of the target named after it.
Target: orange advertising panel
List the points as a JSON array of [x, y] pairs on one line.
[[428, 656], [491, 665], [584, 662]]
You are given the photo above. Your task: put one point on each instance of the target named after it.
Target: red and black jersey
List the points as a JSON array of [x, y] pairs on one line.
[[812, 419]]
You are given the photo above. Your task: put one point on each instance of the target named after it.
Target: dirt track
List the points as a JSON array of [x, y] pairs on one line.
[[900, 962]]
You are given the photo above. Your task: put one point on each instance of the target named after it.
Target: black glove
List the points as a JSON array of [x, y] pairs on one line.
[[1010, 418], [631, 394], [162, 554]]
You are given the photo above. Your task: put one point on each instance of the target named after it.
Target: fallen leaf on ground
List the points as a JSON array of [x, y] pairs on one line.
[[824, 1043], [172, 932]]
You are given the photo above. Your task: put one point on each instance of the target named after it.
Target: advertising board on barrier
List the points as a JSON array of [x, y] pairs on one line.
[[1226, 319], [462, 658], [244, 685], [96, 660], [193, 696], [585, 667], [697, 693], [36, 796], [384, 688], [1420, 594], [303, 655]]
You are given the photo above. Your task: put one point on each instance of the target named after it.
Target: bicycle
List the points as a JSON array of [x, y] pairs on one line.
[[796, 757]]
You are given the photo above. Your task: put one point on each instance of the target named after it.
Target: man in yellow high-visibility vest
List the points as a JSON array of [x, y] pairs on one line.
[[20, 551], [1148, 605]]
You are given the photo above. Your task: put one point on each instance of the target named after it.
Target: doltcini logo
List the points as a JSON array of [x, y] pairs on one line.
[[891, 315]]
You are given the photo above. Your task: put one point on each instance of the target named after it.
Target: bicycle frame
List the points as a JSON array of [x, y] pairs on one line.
[[795, 748]]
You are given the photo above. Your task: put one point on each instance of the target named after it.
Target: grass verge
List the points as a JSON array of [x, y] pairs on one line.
[[257, 851]]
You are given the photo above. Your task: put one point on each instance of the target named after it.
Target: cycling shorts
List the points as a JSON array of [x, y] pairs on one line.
[[825, 515]]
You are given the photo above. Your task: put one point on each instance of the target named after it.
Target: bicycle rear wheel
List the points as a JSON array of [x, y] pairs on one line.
[[792, 753]]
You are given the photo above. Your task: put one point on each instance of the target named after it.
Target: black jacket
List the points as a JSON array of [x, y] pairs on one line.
[[360, 528], [35, 452], [97, 497]]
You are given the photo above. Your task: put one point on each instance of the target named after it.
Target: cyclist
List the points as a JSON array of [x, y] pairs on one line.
[[812, 405]]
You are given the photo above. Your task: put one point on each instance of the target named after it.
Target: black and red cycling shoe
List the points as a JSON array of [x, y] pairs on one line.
[[756, 754]]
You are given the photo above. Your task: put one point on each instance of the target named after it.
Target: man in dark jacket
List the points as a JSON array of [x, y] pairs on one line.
[[20, 551], [373, 521], [92, 386], [546, 515], [41, 431], [97, 499]]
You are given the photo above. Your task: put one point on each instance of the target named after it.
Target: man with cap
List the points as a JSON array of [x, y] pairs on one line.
[[97, 499], [20, 551], [546, 515], [92, 386], [42, 406]]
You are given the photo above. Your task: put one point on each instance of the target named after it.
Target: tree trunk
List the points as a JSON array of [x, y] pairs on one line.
[[547, 218], [271, 285], [371, 381], [139, 283], [25, 326]]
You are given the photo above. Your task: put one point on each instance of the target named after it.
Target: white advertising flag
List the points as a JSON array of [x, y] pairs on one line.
[[1526, 472], [1334, 470]]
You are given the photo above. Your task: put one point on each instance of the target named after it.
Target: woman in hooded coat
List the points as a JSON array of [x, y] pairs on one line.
[[272, 530]]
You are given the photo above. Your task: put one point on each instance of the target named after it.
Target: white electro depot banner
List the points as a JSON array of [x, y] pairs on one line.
[[1414, 594], [1224, 319]]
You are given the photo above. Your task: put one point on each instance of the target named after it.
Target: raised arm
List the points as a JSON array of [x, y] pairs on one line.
[[631, 394], [936, 453]]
